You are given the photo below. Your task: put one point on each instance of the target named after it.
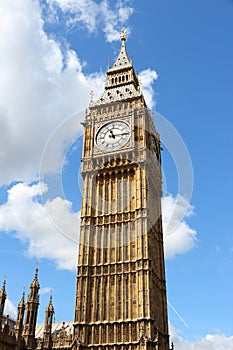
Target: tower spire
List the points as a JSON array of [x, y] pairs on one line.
[[31, 312], [121, 81], [49, 312], [2, 299], [20, 316], [122, 60]]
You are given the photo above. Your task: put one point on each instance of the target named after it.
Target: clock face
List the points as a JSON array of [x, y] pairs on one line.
[[113, 135]]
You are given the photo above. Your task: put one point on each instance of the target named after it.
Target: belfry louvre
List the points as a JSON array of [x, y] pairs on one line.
[[121, 301]]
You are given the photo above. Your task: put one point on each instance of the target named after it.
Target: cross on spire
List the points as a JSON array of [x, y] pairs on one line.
[[123, 34]]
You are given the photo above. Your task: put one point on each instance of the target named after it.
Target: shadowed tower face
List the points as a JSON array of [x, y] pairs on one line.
[[121, 292]]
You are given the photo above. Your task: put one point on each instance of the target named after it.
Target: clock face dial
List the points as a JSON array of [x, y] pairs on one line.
[[113, 135]]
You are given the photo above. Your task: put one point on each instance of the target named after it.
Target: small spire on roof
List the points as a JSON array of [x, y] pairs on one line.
[[4, 281], [51, 296], [22, 299], [3, 290], [36, 274]]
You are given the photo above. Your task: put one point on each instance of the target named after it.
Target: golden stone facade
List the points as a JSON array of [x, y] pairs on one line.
[[121, 299]]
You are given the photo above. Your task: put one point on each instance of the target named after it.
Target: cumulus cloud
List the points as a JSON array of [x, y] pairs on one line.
[[41, 85], [45, 290], [93, 15], [209, 342], [147, 78], [178, 236], [10, 309], [52, 236]]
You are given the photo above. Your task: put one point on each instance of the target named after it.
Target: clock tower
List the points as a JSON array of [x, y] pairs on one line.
[[121, 290]]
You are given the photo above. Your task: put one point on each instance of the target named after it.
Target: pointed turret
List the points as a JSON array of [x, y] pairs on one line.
[[2, 299], [20, 316], [121, 82], [47, 338], [31, 313]]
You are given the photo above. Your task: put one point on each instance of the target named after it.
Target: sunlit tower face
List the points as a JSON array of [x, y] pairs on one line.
[[121, 291]]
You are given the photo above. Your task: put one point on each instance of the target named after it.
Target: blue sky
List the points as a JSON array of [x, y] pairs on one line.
[[53, 54]]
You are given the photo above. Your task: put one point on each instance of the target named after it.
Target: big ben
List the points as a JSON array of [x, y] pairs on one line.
[[121, 290]]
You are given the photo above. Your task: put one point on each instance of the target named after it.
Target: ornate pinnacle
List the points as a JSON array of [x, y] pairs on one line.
[[51, 296], [3, 290], [4, 282], [36, 274]]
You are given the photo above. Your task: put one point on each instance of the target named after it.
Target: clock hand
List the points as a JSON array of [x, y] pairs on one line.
[[124, 133], [112, 135]]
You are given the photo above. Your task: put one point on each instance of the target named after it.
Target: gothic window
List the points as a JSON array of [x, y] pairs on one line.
[[134, 331], [98, 302], [111, 332], [124, 192], [120, 194], [119, 333], [126, 332], [105, 300], [119, 298], [104, 334], [126, 242], [127, 299], [100, 245], [106, 246], [100, 199], [120, 243], [96, 335]]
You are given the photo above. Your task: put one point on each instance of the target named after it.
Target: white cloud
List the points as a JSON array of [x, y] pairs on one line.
[[27, 217], [93, 15], [147, 78], [45, 290], [178, 236], [209, 342], [10, 309], [41, 85]]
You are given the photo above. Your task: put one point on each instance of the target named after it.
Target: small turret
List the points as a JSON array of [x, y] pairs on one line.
[[31, 313], [47, 338], [20, 316], [2, 299]]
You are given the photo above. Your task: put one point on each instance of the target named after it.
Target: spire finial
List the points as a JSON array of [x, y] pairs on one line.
[[51, 296], [36, 274], [23, 295], [123, 34], [4, 281]]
